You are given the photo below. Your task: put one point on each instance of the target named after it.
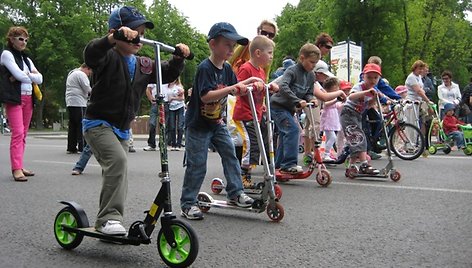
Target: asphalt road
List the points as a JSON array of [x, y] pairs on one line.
[[424, 220]]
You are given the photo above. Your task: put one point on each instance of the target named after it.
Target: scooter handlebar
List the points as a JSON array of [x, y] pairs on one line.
[[118, 35]]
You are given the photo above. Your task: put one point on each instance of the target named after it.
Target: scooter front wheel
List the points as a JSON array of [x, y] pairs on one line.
[[67, 216], [395, 176], [323, 178], [278, 191], [185, 250], [275, 212], [217, 186]]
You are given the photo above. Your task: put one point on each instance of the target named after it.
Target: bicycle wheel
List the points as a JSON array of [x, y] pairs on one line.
[[406, 141]]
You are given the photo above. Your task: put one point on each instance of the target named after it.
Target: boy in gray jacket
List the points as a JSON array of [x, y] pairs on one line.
[[295, 90]]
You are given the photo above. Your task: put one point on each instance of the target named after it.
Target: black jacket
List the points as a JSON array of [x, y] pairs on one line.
[[114, 97], [10, 92]]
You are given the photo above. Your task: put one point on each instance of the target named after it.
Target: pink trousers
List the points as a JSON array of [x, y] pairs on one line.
[[19, 118]]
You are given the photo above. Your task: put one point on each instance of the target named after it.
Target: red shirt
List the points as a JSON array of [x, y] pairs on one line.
[[450, 124], [242, 110]]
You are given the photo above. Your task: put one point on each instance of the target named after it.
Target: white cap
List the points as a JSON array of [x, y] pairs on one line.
[[322, 67]]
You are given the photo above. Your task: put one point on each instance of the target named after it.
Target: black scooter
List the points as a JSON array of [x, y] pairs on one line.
[[177, 242]]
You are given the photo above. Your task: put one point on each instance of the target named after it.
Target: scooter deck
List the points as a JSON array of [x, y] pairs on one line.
[[224, 204], [92, 232]]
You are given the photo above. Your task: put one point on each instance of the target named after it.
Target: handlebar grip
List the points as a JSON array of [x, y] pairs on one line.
[[178, 52]]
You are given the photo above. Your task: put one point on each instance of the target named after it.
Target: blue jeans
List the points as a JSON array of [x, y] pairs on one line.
[[286, 155], [84, 158], [152, 126], [458, 137], [197, 141], [176, 126]]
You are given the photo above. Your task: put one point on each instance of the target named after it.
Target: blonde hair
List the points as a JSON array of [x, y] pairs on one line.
[[309, 50], [418, 64], [269, 23], [16, 31], [375, 59], [260, 42]]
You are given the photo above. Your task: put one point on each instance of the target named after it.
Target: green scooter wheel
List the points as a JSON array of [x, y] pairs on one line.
[[184, 253], [69, 217], [432, 149]]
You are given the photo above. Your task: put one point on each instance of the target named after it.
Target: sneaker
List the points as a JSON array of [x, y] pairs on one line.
[[328, 158], [192, 213], [76, 172], [247, 182], [71, 152], [373, 155], [242, 200], [112, 227], [149, 149], [367, 169], [131, 149], [292, 170]]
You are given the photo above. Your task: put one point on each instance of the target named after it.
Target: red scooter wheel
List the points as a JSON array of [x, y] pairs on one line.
[[323, 178], [275, 212], [278, 191]]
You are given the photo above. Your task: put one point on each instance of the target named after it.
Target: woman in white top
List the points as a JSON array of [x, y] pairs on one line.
[[18, 98], [176, 98], [448, 92], [416, 93]]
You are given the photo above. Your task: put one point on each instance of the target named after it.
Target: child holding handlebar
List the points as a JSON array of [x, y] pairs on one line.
[[121, 79], [362, 97], [261, 51], [213, 82], [295, 90]]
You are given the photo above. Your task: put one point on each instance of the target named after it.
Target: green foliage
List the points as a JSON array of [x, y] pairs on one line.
[[434, 31], [399, 31]]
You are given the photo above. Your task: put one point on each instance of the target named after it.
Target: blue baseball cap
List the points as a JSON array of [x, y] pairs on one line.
[[449, 106], [227, 31], [129, 17]]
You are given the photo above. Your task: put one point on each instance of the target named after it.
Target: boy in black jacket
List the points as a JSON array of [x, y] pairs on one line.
[[120, 79]]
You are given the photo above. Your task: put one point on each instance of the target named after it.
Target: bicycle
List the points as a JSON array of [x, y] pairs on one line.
[[406, 140]]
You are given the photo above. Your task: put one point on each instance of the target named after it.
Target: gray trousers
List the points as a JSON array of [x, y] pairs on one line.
[[110, 152]]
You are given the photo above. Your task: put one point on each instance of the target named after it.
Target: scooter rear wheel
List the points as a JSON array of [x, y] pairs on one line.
[[184, 253], [275, 212], [323, 178], [67, 216], [204, 198]]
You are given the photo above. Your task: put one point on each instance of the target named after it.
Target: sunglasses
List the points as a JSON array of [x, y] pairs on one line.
[[328, 46], [22, 39], [268, 34]]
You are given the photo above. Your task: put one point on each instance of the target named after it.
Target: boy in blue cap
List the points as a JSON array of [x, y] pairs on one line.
[[213, 82], [120, 82]]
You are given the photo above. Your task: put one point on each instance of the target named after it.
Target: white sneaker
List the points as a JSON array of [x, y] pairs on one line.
[[149, 148], [242, 200], [112, 227]]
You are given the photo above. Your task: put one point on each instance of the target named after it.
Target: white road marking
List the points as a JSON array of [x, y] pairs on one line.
[[406, 187], [63, 163]]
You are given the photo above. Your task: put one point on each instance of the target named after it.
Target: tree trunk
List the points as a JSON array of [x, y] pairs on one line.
[[407, 40]]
